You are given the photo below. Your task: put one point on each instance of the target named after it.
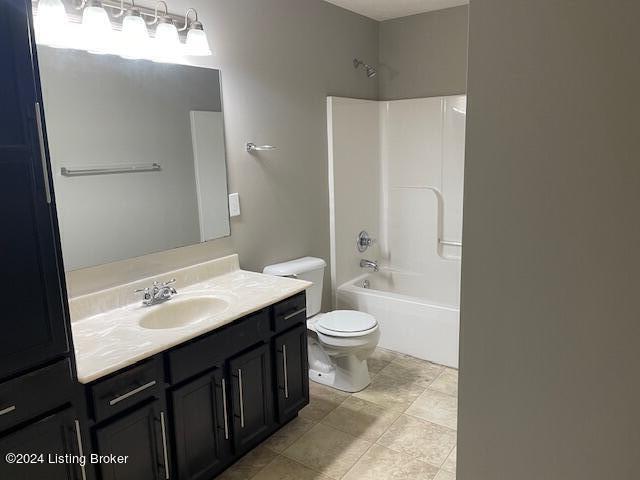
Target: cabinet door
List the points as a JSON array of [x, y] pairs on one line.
[[252, 397], [201, 426], [292, 372], [140, 436], [53, 438], [33, 313]]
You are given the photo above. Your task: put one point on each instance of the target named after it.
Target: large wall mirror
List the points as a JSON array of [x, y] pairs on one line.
[[137, 154]]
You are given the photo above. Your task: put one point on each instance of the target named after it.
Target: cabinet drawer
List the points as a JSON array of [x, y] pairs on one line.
[[211, 350], [126, 389], [34, 393], [290, 312]]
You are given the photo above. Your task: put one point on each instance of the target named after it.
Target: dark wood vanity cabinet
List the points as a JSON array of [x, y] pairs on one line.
[[136, 445], [201, 427], [292, 372], [34, 328], [206, 402], [48, 440], [37, 389], [251, 397]]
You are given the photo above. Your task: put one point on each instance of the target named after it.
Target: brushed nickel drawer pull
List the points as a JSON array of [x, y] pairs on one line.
[[241, 398], [224, 409], [286, 379], [80, 449], [297, 312], [165, 451], [131, 393], [7, 410]]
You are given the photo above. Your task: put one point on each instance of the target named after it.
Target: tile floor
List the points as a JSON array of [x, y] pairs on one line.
[[401, 427]]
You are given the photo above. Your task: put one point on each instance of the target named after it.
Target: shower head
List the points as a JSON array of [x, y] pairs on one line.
[[369, 70]]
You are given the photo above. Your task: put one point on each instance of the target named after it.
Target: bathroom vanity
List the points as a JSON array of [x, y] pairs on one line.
[[224, 366], [179, 390]]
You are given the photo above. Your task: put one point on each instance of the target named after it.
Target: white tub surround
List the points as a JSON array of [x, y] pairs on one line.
[[106, 331], [409, 198]]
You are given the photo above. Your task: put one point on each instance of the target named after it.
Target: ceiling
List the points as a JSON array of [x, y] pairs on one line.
[[387, 9]]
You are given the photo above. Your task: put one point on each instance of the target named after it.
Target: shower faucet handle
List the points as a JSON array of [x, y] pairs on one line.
[[364, 241]]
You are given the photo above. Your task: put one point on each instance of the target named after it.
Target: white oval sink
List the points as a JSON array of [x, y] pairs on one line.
[[180, 312]]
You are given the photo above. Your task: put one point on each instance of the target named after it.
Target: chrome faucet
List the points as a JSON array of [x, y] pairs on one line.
[[369, 264], [158, 293]]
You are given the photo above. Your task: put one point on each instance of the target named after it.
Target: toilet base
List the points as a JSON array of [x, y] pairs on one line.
[[347, 373]]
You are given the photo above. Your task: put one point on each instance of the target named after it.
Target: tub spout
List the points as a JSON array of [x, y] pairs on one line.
[[369, 264]]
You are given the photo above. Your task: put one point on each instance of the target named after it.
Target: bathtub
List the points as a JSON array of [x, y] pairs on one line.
[[413, 318]]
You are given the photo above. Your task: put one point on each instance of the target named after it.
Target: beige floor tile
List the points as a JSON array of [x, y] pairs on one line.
[[436, 407], [361, 419], [447, 382], [397, 393], [444, 475], [250, 464], [413, 370], [421, 439], [283, 468], [380, 463], [283, 438], [379, 359], [450, 463], [327, 450], [322, 401]]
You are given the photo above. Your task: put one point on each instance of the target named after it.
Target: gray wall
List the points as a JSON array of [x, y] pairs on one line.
[[424, 55], [279, 59], [550, 336]]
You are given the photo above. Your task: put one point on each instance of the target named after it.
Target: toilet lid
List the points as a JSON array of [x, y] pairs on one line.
[[347, 322]]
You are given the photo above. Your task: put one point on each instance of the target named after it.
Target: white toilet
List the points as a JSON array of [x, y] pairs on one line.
[[340, 341]]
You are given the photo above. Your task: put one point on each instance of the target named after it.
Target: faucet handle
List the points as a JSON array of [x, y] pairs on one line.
[[147, 293]]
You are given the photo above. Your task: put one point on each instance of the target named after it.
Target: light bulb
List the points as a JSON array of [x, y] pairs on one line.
[[135, 37], [96, 28], [167, 41], [197, 43], [50, 23]]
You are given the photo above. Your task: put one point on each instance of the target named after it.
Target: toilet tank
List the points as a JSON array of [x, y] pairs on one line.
[[310, 269]]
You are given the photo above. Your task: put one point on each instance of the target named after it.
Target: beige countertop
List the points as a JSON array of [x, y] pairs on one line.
[[107, 335]]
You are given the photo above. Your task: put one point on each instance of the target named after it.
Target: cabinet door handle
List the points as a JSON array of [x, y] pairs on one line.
[[297, 312], [165, 451], [241, 398], [10, 409], [131, 393], [43, 153], [80, 449], [286, 379], [224, 409]]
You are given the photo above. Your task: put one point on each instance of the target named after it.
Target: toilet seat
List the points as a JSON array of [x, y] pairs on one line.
[[346, 323]]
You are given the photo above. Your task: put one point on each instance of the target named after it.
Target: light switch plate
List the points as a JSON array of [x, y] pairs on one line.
[[234, 205]]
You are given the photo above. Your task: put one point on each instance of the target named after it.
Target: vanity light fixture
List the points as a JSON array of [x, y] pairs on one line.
[[120, 27], [134, 41], [197, 43], [96, 27], [167, 44], [50, 22]]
